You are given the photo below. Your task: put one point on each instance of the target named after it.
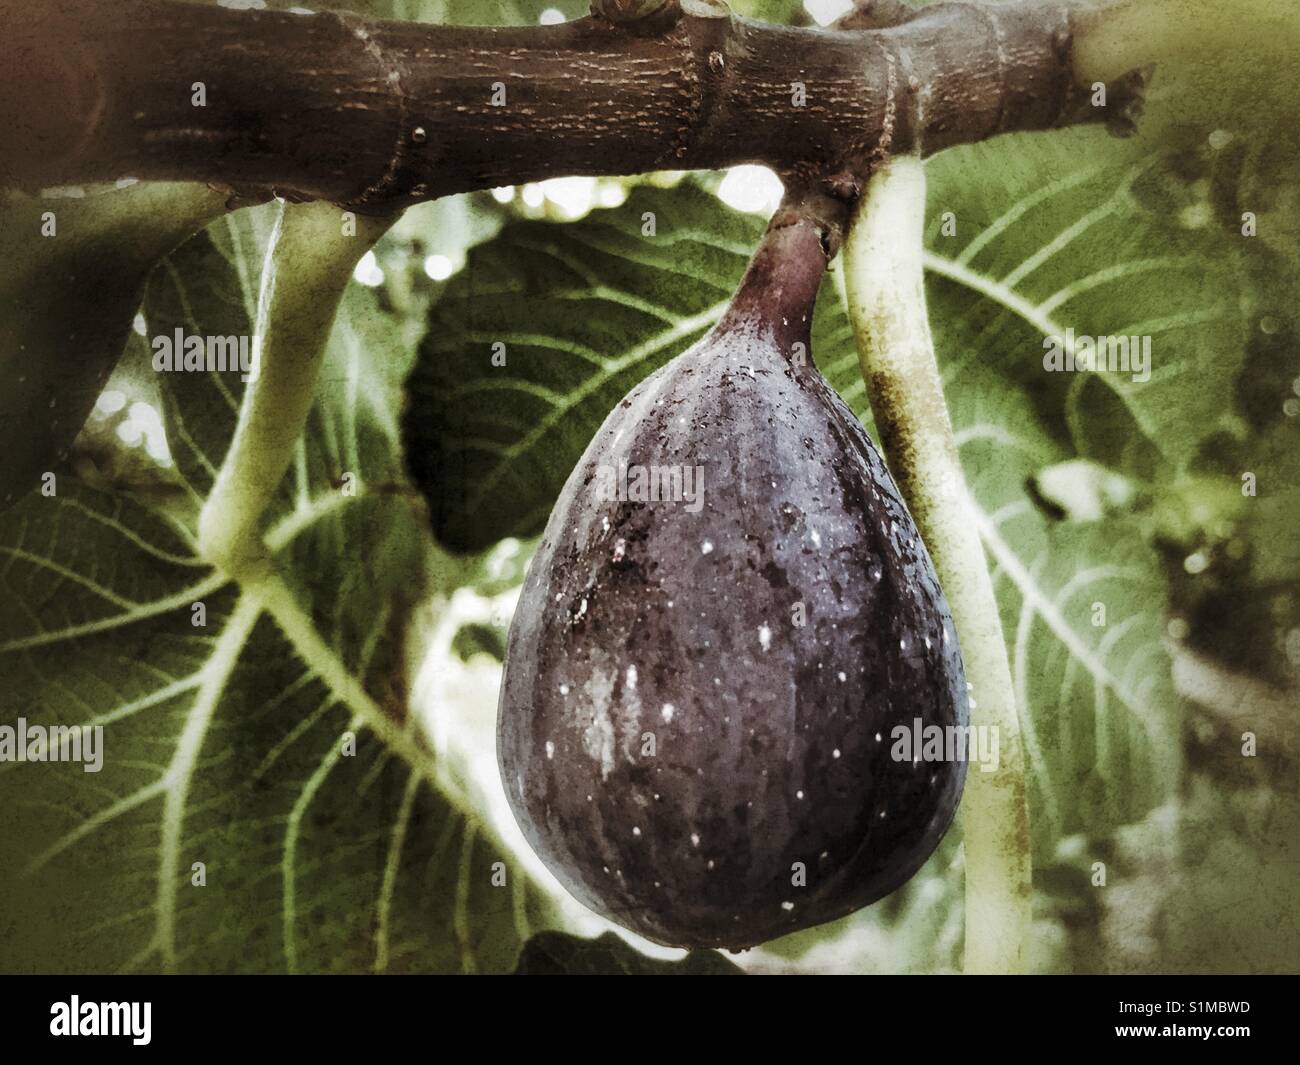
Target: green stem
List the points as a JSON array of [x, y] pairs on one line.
[[1115, 36], [886, 300], [309, 261]]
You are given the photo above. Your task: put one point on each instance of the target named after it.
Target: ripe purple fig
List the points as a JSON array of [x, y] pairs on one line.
[[729, 615]]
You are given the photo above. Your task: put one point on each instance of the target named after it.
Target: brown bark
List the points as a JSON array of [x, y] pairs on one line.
[[331, 107]]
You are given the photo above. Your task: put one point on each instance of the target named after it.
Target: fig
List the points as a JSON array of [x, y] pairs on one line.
[[708, 667]]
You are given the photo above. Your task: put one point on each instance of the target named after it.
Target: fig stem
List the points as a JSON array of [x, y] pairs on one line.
[[884, 286], [309, 260], [781, 282]]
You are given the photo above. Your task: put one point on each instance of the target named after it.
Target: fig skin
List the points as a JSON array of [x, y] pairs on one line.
[[771, 739]]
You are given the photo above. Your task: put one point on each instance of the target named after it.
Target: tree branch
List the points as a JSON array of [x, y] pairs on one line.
[[331, 107]]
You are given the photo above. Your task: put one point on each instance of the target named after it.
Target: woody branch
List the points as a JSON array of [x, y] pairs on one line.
[[329, 106]]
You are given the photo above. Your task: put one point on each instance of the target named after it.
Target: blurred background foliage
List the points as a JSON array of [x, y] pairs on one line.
[[1158, 846]]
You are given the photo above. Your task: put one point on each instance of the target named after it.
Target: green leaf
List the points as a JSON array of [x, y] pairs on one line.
[[557, 954], [1083, 607], [207, 287], [223, 745], [265, 733], [1074, 234], [474, 639]]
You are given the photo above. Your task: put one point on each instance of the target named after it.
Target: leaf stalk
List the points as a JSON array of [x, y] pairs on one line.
[[884, 282]]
